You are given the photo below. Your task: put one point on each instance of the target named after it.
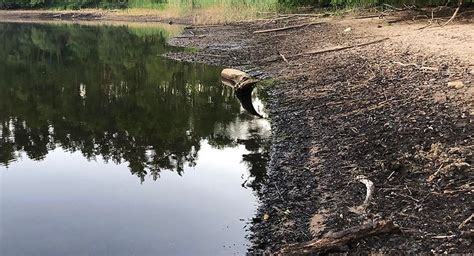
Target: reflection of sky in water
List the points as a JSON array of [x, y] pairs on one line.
[[92, 208], [90, 116]]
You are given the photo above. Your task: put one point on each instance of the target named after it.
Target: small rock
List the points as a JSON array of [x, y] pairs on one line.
[[440, 97], [266, 217], [348, 29], [456, 84]]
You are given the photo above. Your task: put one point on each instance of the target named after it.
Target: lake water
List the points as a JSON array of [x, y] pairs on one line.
[[107, 148]]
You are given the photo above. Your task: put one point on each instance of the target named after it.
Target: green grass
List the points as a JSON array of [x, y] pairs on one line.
[[206, 11]]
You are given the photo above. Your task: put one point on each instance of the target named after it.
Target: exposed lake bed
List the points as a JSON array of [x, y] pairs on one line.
[[383, 111]]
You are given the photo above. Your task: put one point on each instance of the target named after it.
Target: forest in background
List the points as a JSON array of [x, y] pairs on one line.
[[261, 5]]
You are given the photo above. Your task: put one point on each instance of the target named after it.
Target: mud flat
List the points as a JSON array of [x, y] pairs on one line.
[[351, 98]]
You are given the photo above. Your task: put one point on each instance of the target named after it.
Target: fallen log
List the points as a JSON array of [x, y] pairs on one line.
[[340, 48], [237, 79], [243, 85], [334, 241], [190, 36], [285, 28]]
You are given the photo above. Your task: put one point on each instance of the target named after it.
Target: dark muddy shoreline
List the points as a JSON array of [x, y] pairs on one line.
[[342, 114]]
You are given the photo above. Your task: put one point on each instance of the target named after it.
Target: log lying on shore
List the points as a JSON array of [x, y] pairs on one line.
[[334, 241], [237, 79], [243, 84]]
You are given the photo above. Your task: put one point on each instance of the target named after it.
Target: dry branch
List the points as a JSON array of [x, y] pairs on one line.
[[190, 36], [370, 191], [333, 241], [368, 17], [285, 28], [465, 221], [454, 14], [340, 48], [415, 65], [284, 58]]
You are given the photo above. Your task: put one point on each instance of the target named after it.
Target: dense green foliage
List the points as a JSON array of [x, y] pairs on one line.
[[106, 91], [76, 4], [69, 4]]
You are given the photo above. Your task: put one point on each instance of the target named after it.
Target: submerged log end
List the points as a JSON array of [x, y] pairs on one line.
[[237, 79]]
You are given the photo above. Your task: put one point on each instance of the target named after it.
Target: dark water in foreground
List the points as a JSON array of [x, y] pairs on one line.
[[106, 148]]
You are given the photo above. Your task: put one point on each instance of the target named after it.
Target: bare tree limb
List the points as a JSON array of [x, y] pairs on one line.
[[454, 14], [340, 48], [332, 241], [285, 28]]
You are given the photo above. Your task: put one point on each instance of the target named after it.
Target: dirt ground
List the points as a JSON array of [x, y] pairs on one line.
[[399, 112]]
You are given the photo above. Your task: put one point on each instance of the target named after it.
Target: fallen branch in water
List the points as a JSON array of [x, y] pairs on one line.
[[333, 241], [340, 48], [285, 28]]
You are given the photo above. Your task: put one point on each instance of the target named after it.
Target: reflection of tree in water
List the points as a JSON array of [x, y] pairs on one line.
[[104, 91]]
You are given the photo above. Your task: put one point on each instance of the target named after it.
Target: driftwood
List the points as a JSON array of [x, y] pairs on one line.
[[334, 241], [243, 85], [285, 28], [415, 65], [190, 36], [340, 48], [237, 79], [370, 191]]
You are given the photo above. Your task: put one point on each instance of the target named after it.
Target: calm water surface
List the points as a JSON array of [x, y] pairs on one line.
[[107, 148]]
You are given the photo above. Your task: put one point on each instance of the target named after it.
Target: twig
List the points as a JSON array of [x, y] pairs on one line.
[[457, 191], [340, 48], [367, 17], [407, 196], [390, 176], [284, 58], [466, 221], [415, 65], [454, 14], [285, 28], [444, 237]]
